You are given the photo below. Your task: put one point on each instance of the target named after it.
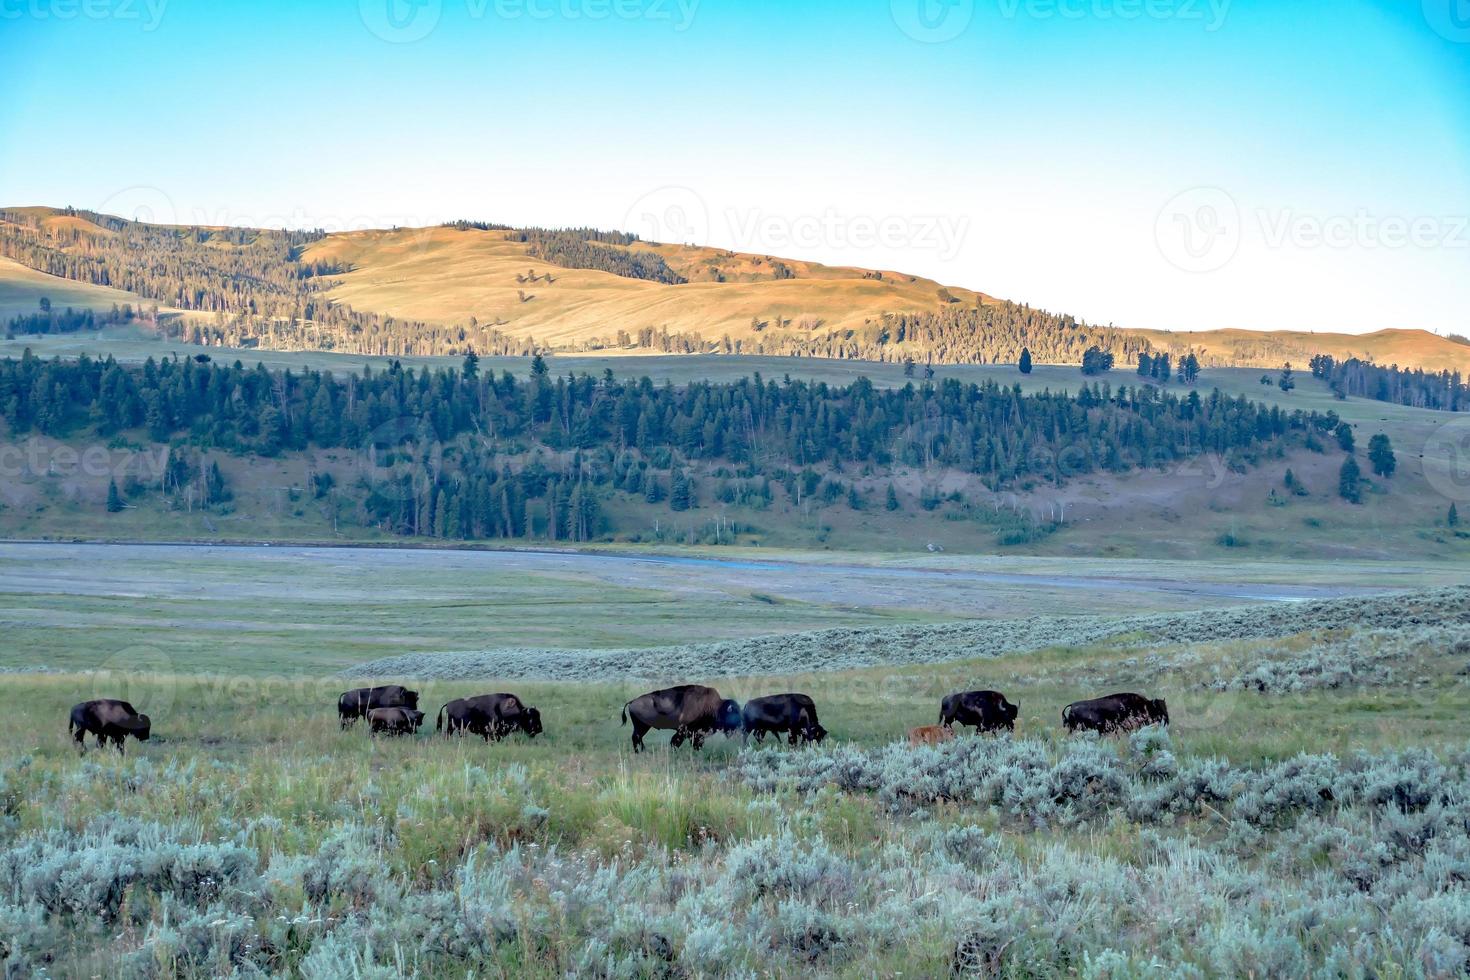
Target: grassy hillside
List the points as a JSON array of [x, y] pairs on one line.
[[22, 289], [448, 275], [442, 280]]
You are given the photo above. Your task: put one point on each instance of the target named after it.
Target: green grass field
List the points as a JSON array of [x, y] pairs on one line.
[[250, 833]]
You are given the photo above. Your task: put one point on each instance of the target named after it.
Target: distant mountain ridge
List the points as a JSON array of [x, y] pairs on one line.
[[474, 285]]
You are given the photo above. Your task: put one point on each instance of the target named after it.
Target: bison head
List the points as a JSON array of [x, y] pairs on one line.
[[411, 699], [141, 727], [1159, 710], [531, 722], [815, 733], [1010, 710], [728, 719]]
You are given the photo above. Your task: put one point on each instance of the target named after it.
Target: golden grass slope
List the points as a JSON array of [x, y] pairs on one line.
[[447, 275], [22, 289]]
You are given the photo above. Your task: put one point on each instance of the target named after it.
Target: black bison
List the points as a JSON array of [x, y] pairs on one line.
[[1116, 712], [795, 714], [394, 721], [107, 719], [985, 711], [489, 716], [353, 705], [690, 711]]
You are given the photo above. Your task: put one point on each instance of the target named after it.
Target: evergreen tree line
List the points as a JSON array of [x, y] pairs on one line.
[[47, 320], [574, 250], [1445, 391], [1160, 368], [452, 452]]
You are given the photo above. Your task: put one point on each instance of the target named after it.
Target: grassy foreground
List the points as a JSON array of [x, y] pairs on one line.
[[1309, 811]]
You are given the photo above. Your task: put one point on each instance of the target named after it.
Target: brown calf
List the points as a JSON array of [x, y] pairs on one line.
[[930, 735]]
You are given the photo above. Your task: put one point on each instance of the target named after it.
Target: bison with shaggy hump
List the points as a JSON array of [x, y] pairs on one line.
[[690, 711], [984, 711], [107, 719], [489, 716], [794, 714], [1115, 713], [353, 705], [394, 721]]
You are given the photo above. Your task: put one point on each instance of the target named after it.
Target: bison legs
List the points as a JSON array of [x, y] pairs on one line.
[[639, 730], [698, 741]]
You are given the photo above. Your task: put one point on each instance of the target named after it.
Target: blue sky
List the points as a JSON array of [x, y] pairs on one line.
[[1178, 164]]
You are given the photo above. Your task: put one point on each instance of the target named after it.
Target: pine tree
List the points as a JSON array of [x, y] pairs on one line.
[[441, 515], [681, 492], [1286, 382], [1453, 517], [216, 491], [1380, 454], [854, 499], [114, 499], [891, 500], [1345, 437], [1350, 481], [1025, 362]]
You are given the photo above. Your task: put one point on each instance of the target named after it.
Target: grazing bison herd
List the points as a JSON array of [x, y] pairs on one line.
[[690, 711]]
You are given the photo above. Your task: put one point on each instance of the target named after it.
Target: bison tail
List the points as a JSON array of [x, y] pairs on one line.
[[625, 713], [439, 721]]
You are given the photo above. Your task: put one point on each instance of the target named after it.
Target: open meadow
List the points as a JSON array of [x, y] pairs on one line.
[[1307, 810]]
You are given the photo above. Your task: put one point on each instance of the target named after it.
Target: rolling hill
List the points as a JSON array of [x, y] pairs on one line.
[[441, 290]]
